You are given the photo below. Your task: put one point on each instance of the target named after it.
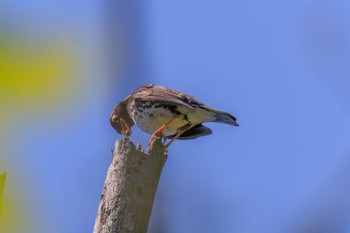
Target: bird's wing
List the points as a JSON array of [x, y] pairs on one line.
[[194, 132], [166, 96]]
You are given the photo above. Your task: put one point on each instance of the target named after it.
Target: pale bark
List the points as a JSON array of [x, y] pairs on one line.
[[130, 187]]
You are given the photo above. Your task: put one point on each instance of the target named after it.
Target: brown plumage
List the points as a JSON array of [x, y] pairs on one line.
[[161, 111]]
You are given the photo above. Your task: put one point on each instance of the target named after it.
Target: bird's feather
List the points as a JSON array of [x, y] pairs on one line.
[[194, 132], [221, 116], [184, 103], [166, 96]]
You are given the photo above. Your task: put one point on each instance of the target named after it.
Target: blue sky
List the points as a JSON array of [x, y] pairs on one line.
[[281, 67]]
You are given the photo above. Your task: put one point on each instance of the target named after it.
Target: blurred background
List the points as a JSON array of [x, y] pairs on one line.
[[281, 67]]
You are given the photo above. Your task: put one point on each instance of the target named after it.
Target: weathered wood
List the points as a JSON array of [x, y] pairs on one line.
[[130, 186]]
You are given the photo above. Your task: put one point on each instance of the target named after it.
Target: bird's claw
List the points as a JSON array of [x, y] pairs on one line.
[[157, 135], [151, 140]]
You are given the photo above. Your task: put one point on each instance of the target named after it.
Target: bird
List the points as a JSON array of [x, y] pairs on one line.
[[166, 113]]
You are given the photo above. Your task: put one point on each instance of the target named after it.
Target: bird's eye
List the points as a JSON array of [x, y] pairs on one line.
[[115, 119]]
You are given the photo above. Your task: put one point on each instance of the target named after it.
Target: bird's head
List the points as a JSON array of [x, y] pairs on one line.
[[121, 120]]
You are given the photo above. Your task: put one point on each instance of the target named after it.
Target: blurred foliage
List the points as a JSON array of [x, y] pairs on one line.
[[14, 216], [2, 186], [33, 74], [36, 76]]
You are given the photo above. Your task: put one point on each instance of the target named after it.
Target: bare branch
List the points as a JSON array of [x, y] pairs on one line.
[[130, 186]]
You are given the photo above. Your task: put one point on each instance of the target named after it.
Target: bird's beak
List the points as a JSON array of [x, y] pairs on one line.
[[126, 131]]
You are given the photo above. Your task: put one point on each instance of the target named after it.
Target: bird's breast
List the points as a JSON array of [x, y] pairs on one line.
[[150, 117]]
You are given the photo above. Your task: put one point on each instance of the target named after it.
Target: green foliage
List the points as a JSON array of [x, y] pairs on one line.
[[2, 186]]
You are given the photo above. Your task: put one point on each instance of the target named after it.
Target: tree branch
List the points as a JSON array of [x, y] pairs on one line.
[[130, 186]]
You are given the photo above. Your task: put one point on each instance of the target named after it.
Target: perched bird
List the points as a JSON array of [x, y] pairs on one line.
[[166, 113]]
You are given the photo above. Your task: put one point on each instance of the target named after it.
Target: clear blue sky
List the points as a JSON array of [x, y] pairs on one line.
[[281, 67]]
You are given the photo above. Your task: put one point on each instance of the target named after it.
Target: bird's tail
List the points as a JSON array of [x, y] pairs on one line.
[[223, 117], [226, 118]]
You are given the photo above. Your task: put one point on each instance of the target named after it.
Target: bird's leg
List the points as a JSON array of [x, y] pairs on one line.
[[183, 129], [159, 132]]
